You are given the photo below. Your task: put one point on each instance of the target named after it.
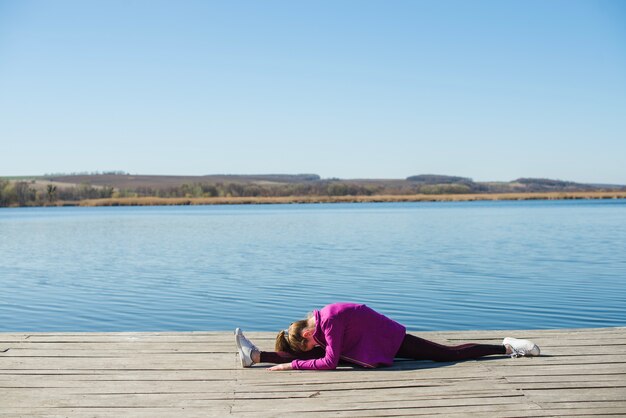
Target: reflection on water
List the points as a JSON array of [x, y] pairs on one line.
[[462, 265]]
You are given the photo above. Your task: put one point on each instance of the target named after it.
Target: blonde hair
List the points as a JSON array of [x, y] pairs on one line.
[[292, 339]]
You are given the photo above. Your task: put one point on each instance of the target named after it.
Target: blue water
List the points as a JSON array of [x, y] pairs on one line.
[[431, 266]]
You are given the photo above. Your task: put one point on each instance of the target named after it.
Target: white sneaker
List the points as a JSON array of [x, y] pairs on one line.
[[245, 348], [521, 347]]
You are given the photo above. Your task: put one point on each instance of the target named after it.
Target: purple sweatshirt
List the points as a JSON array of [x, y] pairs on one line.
[[353, 333]]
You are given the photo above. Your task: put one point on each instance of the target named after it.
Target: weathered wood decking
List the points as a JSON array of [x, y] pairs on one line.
[[582, 373]]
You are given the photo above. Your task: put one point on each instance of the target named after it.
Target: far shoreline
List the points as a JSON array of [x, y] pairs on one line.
[[156, 201]]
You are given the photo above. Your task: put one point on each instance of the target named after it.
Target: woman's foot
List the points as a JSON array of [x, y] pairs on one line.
[[248, 352], [519, 348]]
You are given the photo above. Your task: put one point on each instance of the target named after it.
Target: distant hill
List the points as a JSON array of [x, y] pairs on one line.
[[520, 185], [439, 179], [422, 183], [552, 185]]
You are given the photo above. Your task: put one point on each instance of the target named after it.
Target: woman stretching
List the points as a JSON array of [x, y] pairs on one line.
[[359, 335]]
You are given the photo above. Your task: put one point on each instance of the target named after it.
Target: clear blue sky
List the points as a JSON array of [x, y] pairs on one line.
[[492, 90]]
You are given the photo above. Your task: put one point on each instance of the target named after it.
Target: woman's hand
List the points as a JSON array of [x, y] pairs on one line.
[[279, 367]]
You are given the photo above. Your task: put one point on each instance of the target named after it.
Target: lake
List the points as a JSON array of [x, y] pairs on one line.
[[430, 266]]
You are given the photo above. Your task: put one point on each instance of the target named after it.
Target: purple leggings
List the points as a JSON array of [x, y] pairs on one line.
[[412, 347], [417, 348]]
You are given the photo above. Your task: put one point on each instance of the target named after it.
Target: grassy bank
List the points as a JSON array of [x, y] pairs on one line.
[[155, 201]]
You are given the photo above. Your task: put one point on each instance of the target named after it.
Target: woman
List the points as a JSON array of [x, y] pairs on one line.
[[359, 335]]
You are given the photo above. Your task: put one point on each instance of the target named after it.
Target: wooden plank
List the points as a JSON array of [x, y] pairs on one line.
[[182, 361], [361, 404], [586, 377], [141, 412], [226, 347], [557, 404]]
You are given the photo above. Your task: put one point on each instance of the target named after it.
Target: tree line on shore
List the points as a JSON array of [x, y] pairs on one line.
[[44, 192], [30, 193]]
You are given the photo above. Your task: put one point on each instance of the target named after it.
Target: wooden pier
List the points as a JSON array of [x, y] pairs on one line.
[[581, 372]]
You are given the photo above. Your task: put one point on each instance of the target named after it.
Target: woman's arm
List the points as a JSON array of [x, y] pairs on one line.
[[333, 332]]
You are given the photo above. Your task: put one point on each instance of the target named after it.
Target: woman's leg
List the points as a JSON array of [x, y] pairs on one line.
[[279, 357], [420, 349]]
